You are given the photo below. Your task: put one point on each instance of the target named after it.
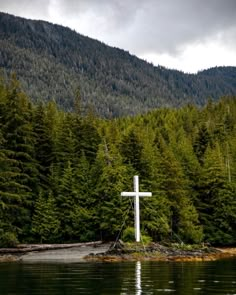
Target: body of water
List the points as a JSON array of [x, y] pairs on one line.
[[126, 278]]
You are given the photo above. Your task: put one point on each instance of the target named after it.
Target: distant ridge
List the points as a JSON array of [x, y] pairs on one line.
[[53, 61]]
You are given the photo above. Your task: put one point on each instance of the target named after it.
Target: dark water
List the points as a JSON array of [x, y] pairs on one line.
[[218, 277]]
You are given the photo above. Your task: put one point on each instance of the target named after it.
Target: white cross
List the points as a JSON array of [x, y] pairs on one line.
[[136, 194]]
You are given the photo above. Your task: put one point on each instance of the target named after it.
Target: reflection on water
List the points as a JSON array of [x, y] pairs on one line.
[[127, 278], [138, 278]]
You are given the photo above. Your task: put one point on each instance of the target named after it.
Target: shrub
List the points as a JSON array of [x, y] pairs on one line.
[[129, 236], [8, 239]]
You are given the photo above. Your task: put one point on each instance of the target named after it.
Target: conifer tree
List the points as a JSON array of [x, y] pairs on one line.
[[155, 211], [86, 137], [84, 215], [201, 143], [174, 184], [216, 202], [10, 204], [19, 141], [44, 143], [45, 222], [114, 176], [65, 141], [66, 197], [131, 149]]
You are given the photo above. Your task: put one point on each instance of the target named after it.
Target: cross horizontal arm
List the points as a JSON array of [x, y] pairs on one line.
[[128, 194], [133, 194], [142, 194]]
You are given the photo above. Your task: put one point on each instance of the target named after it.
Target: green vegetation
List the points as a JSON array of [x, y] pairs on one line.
[[62, 173], [188, 247], [128, 236], [52, 62]]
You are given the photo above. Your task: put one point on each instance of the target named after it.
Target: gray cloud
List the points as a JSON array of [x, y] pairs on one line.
[[165, 26], [115, 15], [149, 26], [26, 8], [142, 27]]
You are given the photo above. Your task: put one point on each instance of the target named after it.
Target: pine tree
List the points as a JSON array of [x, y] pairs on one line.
[[66, 197], [216, 199], [155, 211], [131, 149], [201, 143], [64, 144], [114, 176], [84, 215], [10, 203], [44, 143], [175, 186], [45, 222], [86, 137], [19, 141]]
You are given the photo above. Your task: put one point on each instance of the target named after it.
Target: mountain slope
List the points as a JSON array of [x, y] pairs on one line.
[[52, 61]]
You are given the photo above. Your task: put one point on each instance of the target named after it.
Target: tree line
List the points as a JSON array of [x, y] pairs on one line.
[[61, 173]]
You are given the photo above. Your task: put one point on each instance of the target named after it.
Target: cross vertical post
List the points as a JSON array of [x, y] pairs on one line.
[[136, 209], [136, 194]]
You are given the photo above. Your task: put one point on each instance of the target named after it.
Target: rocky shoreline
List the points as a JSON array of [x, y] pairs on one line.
[[111, 252], [158, 252]]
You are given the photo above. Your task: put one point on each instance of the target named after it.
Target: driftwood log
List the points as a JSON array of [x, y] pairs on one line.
[[24, 248]]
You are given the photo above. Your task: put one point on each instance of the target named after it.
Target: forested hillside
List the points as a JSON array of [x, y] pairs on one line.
[[62, 173], [52, 62]]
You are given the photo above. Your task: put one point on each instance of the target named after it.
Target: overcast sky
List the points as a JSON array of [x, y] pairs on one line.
[[189, 35]]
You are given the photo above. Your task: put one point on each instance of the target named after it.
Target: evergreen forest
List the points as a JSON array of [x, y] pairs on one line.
[[62, 172], [53, 61]]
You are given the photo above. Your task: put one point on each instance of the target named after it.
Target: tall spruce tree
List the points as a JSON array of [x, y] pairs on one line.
[[66, 197], [113, 178], [44, 145], [216, 202], [175, 186], [10, 203], [19, 141], [84, 215], [45, 221], [201, 143], [131, 148]]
